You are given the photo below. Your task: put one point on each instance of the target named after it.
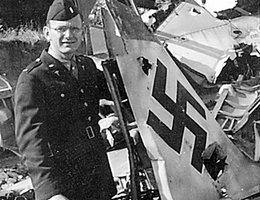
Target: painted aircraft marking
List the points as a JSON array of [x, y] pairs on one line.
[[174, 136]]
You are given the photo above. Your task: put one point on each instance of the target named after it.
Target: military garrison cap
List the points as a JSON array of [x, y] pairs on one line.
[[62, 10]]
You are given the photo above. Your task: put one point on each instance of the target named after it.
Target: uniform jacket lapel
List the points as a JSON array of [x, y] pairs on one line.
[[57, 68]]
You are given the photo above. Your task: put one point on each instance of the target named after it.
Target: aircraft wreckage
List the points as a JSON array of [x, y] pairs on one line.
[[187, 83]]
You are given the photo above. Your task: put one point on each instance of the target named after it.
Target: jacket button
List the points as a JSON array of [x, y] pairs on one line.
[[86, 104]]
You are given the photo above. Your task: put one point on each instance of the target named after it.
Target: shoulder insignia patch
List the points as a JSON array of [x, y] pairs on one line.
[[33, 65], [87, 63], [81, 60]]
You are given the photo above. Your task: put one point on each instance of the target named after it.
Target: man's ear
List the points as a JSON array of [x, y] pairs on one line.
[[46, 33]]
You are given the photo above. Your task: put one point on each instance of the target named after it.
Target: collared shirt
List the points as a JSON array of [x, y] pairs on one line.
[[71, 64]]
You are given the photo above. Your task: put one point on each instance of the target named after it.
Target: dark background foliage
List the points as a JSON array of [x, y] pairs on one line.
[[21, 12]]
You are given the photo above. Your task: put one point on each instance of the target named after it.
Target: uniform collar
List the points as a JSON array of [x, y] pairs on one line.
[[50, 61]]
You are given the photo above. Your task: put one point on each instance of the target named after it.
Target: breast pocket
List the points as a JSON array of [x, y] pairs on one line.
[[59, 99]]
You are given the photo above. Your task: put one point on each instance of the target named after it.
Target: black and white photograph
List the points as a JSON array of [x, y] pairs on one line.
[[130, 100]]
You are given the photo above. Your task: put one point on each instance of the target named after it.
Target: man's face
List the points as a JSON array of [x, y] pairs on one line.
[[64, 36]]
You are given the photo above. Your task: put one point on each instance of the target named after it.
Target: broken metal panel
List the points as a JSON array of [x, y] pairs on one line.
[[233, 107], [217, 37], [250, 30], [237, 110], [174, 123], [200, 41], [98, 45], [119, 162], [220, 102], [245, 133], [198, 19], [5, 88], [204, 59], [195, 23], [257, 141]]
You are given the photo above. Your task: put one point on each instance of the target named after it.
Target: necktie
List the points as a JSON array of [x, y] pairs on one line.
[[74, 69]]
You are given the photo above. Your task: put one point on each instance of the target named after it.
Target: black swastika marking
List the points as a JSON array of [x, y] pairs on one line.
[[174, 136]]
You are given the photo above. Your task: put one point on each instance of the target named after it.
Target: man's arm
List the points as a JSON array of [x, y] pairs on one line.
[[30, 125]]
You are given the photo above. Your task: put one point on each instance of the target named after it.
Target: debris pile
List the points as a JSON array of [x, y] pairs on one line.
[[237, 112], [15, 183]]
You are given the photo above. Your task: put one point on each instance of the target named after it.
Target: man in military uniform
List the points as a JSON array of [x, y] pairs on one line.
[[56, 114]]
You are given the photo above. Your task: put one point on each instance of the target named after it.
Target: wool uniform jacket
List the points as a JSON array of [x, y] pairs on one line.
[[57, 131]]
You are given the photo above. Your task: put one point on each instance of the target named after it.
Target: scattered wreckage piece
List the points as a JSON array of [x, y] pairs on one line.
[[21, 190], [249, 31], [201, 58], [203, 27], [7, 138], [120, 168], [14, 180], [237, 112], [207, 44]]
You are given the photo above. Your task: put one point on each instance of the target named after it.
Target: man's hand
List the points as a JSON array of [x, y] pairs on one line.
[[58, 197], [105, 107], [108, 126]]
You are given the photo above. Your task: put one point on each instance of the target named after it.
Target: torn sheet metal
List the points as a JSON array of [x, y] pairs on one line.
[[237, 110], [198, 39], [204, 59], [195, 23], [249, 27]]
